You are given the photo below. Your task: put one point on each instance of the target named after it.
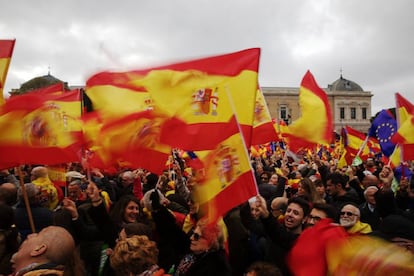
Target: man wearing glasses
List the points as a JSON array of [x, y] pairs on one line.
[[350, 220]]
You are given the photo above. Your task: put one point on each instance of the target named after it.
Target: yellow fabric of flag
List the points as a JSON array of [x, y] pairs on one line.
[[6, 52], [315, 124], [194, 94], [41, 129], [227, 180]]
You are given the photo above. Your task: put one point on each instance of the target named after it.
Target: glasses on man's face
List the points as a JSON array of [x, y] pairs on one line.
[[265, 178], [349, 214]]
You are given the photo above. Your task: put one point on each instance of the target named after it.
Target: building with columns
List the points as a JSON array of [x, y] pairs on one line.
[[350, 104]]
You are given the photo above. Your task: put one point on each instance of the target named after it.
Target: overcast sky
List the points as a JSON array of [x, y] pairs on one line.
[[371, 40]]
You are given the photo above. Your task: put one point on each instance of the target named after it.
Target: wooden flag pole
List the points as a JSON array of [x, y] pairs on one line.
[[26, 199]]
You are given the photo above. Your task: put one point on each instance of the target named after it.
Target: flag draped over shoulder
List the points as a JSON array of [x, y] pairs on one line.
[[315, 125], [383, 128], [41, 128], [263, 126], [6, 51], [193, 94], [228, 178], [405, 134]]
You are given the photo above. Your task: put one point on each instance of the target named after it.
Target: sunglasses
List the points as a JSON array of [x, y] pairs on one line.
[[196, 236], [349, 214]]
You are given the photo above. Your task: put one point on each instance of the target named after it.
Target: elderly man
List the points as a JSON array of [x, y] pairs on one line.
[[350, 220], [369, 213], [50, 252], [49, 193]]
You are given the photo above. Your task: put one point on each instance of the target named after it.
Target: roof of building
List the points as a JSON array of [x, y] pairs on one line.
[[38, 82], [343, 84]]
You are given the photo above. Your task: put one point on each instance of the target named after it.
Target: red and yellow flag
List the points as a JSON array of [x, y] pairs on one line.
[[315, 125], [6, 52], [40, 129], [228, 178], [193, 94], [405, 134], [133, 140], [263, 126], [354, 142]]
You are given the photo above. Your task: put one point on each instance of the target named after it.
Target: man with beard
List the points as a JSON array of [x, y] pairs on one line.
[[283, 236], [350, 220], [336, 189]]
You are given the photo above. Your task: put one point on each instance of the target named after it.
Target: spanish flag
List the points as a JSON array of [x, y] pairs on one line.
[[133, 140], [228, 178], [315, 125], [40, 129], [354, 142], [6, 51], [193, 94], [114, 95], [405, 133], [263, 126]]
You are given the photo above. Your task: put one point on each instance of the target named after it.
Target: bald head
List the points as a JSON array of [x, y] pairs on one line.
[[8, 193], [53, 244], [60, 244], [370, 180], [39, 172]]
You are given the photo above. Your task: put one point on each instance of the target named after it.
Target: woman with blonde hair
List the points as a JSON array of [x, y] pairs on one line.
[[207, 256], [136, 255]]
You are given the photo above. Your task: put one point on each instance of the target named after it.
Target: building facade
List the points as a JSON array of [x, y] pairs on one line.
[[350, 104]]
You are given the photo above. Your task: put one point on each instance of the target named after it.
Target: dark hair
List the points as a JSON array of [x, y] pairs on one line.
[[304, 204], [264, 269], [8, 228], [337, 178], [138, 228], [118, 209], [328, 209]]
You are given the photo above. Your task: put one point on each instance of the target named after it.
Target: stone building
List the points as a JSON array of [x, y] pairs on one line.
[[350, 104]]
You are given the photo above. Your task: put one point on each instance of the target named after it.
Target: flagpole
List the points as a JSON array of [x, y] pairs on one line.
[[241, 135], [361, 148], [397, 113], [26, 199]]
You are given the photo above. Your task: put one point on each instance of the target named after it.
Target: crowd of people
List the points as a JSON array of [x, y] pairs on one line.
[[134, 222]]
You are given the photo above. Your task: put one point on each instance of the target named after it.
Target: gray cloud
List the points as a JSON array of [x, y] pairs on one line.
[[370, 40]]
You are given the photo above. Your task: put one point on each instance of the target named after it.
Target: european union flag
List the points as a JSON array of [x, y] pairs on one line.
[[382, 128]]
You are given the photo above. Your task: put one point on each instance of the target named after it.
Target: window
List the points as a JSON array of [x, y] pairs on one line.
[[342, 113], [283, 112], [364, 113], [353, 113]]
